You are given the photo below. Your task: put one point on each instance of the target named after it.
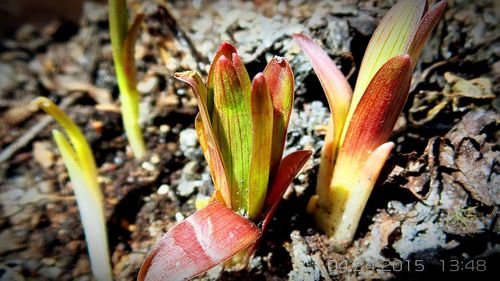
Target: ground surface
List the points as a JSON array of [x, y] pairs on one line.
[[437, 201]]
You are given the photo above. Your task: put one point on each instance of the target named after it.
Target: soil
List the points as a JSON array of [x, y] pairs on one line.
[[435, 206]]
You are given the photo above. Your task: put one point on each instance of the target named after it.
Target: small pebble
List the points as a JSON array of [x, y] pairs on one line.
[[43, 154], [147, 85], [186, 188], [164, 128], [148, 166], [163, 189], [179, 216], [52, 273], [155, 159]]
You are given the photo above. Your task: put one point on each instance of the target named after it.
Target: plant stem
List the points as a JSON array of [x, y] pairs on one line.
[[125, 73], [340, 216]]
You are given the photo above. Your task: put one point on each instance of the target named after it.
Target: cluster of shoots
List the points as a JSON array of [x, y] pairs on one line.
[[123, 42], [241, 126], [361, 123], [79, 160]]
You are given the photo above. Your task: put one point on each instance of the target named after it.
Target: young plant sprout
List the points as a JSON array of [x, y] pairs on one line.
[[356, 146], [123, 43], [80, 163], [241, 126]]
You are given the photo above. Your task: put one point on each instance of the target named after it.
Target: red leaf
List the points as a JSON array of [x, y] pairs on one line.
[[290, 166], [427, 24], [279, 77], [335, 85], [203, 240], [377, 112], [225, 49]]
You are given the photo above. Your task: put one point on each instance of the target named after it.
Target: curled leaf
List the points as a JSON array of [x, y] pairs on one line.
[[205, 134]]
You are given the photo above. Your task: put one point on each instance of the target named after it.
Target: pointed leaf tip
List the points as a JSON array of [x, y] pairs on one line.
[[225, 49], [336, 87], [280, 83], [242, 73], [203, 240], [427, 24], [392, 37]]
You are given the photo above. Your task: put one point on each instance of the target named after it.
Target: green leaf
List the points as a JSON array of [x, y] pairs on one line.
[[243, 77], [232, 126], [227, 50], [80, 164], [280, 82], [118, 25], [206, 238], [122, 42], [206, 134], [262, 129], [127, 82]]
